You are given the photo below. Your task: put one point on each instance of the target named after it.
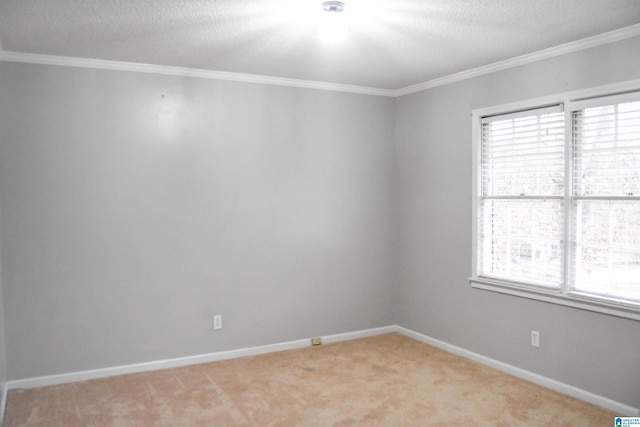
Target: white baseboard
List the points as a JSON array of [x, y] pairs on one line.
[[604, 402], [359, 334], [617, 407], [186, 361], [3, 403]]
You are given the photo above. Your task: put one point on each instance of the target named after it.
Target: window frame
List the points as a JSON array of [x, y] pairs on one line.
[[562, 296]]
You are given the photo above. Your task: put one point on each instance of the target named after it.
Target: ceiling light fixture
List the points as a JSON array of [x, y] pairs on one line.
[[333, 26]]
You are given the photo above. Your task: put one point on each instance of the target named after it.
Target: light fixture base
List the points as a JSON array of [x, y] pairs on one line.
[[333, 25], [333, 6]]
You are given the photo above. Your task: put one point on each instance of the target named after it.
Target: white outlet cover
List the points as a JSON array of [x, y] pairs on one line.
[[535, 338]]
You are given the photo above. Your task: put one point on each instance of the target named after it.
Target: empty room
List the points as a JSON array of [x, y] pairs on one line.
[[308, 213]]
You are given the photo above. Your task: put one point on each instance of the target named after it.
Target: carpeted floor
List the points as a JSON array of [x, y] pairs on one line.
[[388, 380]]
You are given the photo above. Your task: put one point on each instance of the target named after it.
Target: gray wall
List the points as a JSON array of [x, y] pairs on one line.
[[136, 206], [3, 350], [592, 351]]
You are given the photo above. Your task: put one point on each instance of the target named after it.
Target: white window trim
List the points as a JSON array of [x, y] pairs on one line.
[[561, 297]]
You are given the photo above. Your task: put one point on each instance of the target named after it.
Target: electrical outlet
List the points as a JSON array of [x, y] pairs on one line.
[[535, 338], [217, 321]]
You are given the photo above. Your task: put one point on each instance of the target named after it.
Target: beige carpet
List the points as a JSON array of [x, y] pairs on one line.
[[388, 380]]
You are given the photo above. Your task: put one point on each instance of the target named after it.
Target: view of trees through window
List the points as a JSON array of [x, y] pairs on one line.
[[607, 204], [525, 213]]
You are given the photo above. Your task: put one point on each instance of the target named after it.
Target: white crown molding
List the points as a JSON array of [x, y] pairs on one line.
[[576, 46], [66, 61], [563, 49]]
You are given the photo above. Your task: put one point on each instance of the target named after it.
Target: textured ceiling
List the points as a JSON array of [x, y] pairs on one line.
[[392, 44]]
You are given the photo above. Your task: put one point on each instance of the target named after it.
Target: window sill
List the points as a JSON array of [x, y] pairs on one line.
[[574, 300]]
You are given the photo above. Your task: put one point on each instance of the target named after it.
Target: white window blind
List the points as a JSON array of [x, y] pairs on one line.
[[606, 199], [558, 203], [521, 206]]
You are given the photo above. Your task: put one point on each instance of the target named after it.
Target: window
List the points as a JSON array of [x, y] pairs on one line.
[[557, 202]]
